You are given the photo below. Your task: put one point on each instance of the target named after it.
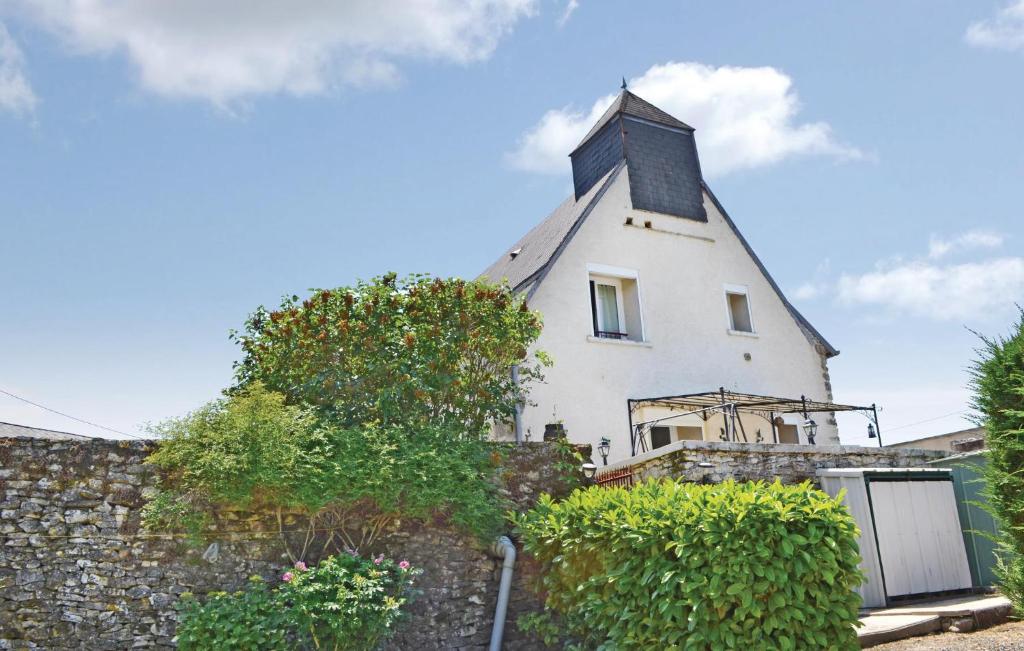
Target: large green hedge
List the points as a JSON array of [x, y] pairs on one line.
[[671, 565], [997, 378]]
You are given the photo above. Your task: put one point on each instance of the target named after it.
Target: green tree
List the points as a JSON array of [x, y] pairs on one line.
[[416, 351], [997, 379]]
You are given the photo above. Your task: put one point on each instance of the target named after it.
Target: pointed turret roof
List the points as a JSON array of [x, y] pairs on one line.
[[629, 104]]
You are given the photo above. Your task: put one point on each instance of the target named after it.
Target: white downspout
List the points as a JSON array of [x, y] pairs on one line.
[[503, 548]]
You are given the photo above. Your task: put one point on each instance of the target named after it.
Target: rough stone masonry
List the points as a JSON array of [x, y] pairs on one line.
[[715, 461], [77, 573]]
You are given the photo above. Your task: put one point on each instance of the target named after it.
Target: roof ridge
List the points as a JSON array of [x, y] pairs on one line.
[[640, 108]]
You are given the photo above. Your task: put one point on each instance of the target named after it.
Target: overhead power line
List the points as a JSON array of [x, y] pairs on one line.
[[927, 420], [74, 418]]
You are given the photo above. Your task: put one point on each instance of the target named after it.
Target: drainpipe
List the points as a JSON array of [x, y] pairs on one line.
[[517, 418], [503, 548]]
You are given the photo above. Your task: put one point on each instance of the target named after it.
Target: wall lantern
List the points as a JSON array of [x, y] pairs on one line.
[[589, 470], [871, 431], [810, 429], [604, 448]]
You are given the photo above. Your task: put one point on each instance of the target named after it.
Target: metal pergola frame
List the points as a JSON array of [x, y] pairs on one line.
[[730, 404]]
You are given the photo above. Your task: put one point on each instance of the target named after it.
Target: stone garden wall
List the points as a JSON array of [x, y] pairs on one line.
[[714, 461], [77, 573]]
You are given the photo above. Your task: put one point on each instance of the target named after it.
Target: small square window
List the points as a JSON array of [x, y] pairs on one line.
[[689, 433], [739, 312], [787, 434], [660, 437]]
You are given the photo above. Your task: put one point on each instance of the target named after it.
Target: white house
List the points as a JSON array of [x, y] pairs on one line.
[[648, 290]]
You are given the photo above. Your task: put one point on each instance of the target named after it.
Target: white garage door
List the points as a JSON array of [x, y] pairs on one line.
[[919, 540]]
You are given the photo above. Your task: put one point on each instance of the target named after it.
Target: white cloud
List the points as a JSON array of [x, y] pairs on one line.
[[928, 285], [229, 50], [938, 247], [807, 291], [570, 9], [16, 93], [819, 285], [1004, 31], [745, 118], [944, 292]]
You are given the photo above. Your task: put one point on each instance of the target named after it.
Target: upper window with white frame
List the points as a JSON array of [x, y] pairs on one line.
[[615, 303], [738, 307]]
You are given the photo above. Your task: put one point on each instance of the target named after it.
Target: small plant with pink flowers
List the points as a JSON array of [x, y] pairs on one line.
[[344, 603], [349, 602]]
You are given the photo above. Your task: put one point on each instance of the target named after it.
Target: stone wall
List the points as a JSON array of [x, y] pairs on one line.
[[714, 461], [76, 572]]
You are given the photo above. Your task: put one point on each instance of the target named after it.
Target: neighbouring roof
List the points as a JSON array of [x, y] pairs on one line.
[[10, 430], [629, 104], [539, 248], [969, 433]]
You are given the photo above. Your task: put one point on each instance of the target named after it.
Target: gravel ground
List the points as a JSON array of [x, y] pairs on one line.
[[1006, 637]]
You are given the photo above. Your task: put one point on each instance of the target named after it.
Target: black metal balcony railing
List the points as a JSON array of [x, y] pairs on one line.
[[605, 334]]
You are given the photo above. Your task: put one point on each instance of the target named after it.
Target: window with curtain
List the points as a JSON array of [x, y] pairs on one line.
[[615, 307], [608, 309]]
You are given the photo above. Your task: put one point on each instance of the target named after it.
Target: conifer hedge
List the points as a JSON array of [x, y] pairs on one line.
[[672, 565], [997, 378]]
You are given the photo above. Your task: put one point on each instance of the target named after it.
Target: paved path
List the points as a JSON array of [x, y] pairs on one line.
[[910, 621], [1007, 637]]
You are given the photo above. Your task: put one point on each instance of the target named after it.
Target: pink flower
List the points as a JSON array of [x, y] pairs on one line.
[[404, 565], [378, 560], [287, 576], [300, 566]]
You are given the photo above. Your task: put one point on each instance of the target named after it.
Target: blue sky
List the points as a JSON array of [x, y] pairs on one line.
[[167, 167]]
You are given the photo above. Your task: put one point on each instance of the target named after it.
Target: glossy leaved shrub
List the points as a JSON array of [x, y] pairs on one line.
[[672, 565]]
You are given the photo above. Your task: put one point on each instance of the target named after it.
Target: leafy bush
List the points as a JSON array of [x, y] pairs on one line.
[[344, 603], [347, 602], [997, 379], [169, 510], [252, 450], [669, 565], [416, 351], [255, 618], [424, 475], [249, 445]]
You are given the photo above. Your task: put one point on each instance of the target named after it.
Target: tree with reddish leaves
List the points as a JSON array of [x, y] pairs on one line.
[[398, 352]]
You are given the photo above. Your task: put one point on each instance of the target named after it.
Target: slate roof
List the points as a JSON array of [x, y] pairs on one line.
[[10, 430], [629, 104], [539, 247], [536, 251]]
